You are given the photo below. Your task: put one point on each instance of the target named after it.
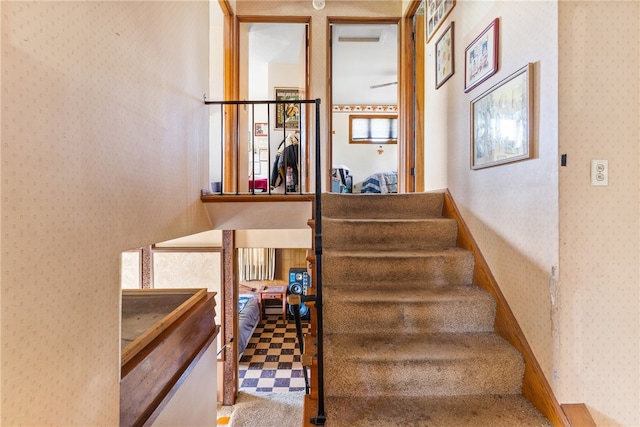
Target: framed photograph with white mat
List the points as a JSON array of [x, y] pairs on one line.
[[481, 57], [502, 121], [436, 12], [444, 57]]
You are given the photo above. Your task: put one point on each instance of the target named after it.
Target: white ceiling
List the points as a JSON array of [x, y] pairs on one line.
[[357, 65], [278, 43]]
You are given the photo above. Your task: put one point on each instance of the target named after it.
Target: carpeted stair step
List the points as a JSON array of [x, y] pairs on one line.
[[381, 206], [408, 339], [388, 235], [421, 365], [407, 269], [460, 411], [458, 308]]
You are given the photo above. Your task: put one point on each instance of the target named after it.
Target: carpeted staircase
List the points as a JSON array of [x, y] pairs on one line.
[[408, 339]]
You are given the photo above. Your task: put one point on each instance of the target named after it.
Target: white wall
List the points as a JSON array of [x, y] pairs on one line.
[[104, 148], [531, 216], [191, 404]]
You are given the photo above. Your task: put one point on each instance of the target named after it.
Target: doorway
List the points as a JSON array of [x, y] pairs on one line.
[[364, 97], [273, 64]]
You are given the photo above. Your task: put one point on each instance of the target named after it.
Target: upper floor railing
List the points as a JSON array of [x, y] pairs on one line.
[[263, 147]]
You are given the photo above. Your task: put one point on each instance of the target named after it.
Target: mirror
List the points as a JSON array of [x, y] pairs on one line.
[[364, 76]]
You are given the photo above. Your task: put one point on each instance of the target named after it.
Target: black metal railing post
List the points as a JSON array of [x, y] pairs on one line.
[[321, 416]]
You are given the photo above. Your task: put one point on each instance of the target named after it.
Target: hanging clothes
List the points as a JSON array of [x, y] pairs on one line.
[[286, 157]]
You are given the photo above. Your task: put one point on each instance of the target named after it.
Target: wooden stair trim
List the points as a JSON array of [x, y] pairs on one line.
[[578, 415], [535, 386]]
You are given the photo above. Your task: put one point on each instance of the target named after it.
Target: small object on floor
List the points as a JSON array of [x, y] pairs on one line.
[[223, 421]]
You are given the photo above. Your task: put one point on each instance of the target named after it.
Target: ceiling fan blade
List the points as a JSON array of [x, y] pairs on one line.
[[383, 85]]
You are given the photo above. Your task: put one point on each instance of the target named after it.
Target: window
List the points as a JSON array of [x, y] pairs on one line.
[[375, 129]]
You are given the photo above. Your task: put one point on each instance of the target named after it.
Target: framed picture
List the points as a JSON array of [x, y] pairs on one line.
[[436, 12], [502, 121], [254, 168], [260, 129], [288, 113], [481, 57], [444, 56]]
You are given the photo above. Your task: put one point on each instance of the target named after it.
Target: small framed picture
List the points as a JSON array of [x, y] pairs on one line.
[[288, 112], [436, 12], [444, 56], [260, 129], [481, 57]]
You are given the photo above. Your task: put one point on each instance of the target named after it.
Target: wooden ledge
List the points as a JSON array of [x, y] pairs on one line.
[[151, 376], [258, 197]]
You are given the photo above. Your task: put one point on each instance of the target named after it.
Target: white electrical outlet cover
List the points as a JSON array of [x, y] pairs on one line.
[[599, 173]]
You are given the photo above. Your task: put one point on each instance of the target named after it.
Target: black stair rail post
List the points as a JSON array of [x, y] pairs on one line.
[[294, 302], [321, 416]]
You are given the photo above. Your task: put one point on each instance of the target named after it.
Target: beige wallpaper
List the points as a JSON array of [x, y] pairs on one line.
[[599, 351], [104, 138], [184, 269], [566, 254]]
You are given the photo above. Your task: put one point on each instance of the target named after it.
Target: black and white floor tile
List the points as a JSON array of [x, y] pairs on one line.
[[271, 361]]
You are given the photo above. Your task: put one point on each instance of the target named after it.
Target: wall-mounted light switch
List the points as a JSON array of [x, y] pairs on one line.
[[599, 173]]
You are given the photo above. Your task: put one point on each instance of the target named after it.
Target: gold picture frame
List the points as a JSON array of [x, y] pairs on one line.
[[288, 113]]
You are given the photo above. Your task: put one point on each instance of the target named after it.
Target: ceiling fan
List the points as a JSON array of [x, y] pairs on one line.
[[382, 85]]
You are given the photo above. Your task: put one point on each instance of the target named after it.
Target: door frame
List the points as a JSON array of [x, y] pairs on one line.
[[411, 98]]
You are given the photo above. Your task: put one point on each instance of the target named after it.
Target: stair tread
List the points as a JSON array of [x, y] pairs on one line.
[[393, 205], [387, 220], [459, 411], [414, 253], [411, 296], [397, 348]]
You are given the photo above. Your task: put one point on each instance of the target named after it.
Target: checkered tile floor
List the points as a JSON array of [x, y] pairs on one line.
[[271, 361]]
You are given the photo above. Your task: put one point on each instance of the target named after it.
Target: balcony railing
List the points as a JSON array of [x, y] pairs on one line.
[[262, 147]]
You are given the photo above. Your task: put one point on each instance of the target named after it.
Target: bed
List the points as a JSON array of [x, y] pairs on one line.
[[248, 318], [383, 182]]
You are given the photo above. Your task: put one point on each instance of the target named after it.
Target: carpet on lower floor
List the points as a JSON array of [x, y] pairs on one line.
[[267, 410]]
